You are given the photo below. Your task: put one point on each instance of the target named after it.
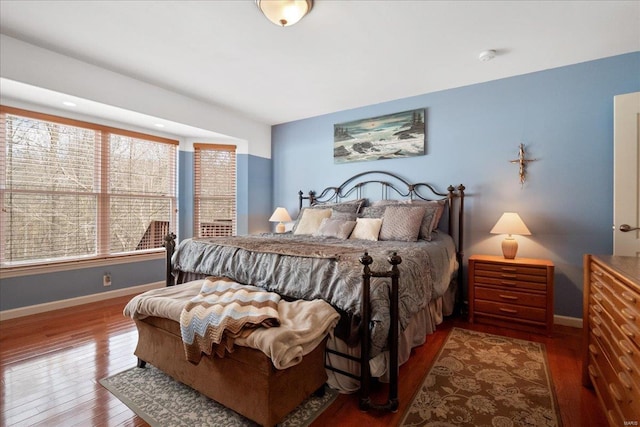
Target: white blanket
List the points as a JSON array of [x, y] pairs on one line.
[[303, 324]]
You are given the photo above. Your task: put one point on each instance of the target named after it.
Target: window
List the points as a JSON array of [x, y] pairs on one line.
[[73, 190], [215, 190]]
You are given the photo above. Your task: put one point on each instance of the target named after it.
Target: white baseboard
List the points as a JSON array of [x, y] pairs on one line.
[[71, 302], [573, 322]]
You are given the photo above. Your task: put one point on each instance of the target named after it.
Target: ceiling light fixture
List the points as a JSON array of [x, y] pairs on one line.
[[69, 103], [284, 12], [487, 55], [159, 125]]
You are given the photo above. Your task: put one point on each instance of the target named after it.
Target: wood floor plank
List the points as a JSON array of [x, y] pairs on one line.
[[50, 374]]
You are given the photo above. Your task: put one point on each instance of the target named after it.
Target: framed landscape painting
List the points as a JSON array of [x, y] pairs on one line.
[[385, 137]]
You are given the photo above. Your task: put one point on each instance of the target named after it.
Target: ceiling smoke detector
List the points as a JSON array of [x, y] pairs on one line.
[[487, 55]]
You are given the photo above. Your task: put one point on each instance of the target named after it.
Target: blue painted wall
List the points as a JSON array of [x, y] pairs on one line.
[[564, 117], [43, 288]]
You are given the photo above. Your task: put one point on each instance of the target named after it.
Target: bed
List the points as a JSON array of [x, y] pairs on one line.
[[390, 285]]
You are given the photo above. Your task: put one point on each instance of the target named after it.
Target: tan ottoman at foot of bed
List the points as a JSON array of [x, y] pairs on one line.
[[245, 380]]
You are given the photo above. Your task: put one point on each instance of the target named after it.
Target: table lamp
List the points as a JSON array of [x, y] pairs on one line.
[[280, 215], [510, 223]]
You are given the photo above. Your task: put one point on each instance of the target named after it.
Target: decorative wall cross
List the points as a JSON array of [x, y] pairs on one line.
[[522, 162]]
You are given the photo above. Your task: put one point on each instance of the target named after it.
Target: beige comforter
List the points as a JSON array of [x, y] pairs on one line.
[[303, 324]]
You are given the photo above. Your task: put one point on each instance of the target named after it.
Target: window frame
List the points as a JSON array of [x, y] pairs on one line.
[[198, 148], [103, 254]]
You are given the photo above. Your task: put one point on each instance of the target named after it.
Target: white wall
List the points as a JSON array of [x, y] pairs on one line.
[[33, 65]]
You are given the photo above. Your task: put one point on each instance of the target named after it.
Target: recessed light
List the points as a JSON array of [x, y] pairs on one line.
[[69, 103], [160, 125]]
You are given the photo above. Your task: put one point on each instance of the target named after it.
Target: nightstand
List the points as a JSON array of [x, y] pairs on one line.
[[512, 293]]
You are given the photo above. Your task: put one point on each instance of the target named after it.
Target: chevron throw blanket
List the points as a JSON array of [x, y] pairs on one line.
[[222, 311]]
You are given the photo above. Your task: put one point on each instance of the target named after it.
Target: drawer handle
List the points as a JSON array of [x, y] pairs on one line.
[[625, 346], [629, 297], [625, 363], [627, 331], [598, 297], [509, 269], [509, 276], [593, 350], [508, 310], [597, 308], [597, 285], [597, 332], [596, 320], [624, 379], [597, 273], [592, 371], [509, 297], [507, 283], [628, 314], [615, 392]]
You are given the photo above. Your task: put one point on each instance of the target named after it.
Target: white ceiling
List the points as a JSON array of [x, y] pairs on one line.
[[344, 54]]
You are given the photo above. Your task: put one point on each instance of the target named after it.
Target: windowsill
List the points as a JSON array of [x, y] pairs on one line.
[[29, 270]]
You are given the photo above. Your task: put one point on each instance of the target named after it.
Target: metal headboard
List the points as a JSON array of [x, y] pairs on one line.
[[394, 186]]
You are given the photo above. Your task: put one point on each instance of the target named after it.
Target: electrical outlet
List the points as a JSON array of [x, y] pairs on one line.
[[106, 279]]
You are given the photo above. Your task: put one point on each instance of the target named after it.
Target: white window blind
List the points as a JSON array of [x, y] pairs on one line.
[[72, 189], [214, 190]]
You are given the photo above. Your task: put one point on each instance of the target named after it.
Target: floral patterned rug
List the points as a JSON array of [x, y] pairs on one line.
[[161, 401], [480, 379]]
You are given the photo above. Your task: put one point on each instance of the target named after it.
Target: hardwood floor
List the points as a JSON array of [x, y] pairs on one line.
[[50, 365]]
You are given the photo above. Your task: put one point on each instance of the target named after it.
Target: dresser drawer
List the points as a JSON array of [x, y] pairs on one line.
[[619, 350], [623, 392], [612, 307], [602, 389], [621, 298], [511, 310], [511, 297], [629, 296], [612, 334]]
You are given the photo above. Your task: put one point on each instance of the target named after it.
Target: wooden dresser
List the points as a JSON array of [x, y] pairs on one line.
[[611, 321], [512, 293]]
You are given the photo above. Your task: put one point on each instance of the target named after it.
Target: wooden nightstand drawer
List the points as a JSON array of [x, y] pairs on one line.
[[513, 293], [511, 297], [513, 283], [511, 310], [513, 272]]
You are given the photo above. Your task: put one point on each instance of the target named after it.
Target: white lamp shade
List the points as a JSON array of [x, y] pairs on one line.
[[284, 12], [510, 223], [280, 215]]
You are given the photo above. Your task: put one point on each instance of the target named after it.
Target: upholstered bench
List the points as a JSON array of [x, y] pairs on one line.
[[245, 380]]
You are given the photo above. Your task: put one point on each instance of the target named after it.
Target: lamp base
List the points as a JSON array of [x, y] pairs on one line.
[[509, 247], [280, 227]]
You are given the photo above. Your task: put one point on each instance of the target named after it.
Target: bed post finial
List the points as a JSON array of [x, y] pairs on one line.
[[170, 246]]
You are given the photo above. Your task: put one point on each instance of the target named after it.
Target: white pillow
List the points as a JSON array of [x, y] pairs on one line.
[[366, 229], [311, 220]]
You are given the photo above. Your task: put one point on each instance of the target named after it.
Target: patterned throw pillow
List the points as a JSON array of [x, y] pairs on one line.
[[373, 211], [402, 223], [435, 209], [348, 206]]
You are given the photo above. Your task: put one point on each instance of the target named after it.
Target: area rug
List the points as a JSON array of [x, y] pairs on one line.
[[162, 401], [480, 379]]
